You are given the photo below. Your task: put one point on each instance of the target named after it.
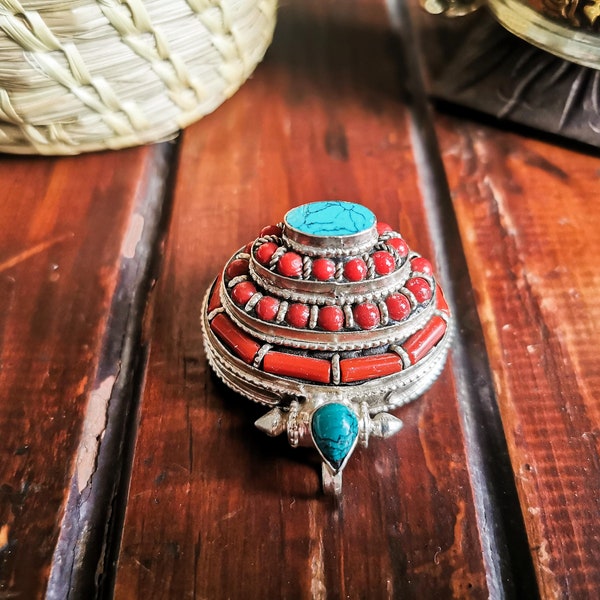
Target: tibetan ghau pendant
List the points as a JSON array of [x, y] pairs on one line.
[[330, 320]]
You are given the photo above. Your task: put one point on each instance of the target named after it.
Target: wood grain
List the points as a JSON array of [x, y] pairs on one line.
[[67, 226], [529, 220], [216, 509]]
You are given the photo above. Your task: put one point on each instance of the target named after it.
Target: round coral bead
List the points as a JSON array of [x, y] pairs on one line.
[[384, 262], [298, 315], [420, 289], [398, 306], [264, 252], [267, 307], [323, 269], [400, 245], [421, 265], [366, 315], [242, 292], [355, 269], [331, 318], [383, 228], [270, 230], [290, 265], [236, 267]]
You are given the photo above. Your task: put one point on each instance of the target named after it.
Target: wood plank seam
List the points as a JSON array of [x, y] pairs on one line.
[[509, 570], [101, 461]]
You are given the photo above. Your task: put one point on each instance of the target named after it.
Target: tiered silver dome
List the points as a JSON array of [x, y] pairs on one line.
[[333, 320]]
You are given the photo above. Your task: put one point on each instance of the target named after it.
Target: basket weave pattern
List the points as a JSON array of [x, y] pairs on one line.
[[81, 75]]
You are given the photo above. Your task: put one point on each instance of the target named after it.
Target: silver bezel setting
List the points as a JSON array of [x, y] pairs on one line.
[[310, 366]]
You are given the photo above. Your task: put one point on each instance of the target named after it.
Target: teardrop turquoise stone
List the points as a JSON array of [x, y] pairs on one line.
[[334, 431]]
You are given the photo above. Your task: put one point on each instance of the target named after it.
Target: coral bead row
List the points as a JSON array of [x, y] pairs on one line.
[[336, 369], [388, 255], [364, 315]]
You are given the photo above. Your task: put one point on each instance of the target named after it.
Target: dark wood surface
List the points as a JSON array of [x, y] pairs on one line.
[[209, 493], [128, 471], [528, 212], [69, 229]]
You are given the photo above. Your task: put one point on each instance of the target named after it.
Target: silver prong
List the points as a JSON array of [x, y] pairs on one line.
[[384, 425], [273, 423], [332, 482]]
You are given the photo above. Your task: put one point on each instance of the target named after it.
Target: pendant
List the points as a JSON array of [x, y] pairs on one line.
[[331, 321]]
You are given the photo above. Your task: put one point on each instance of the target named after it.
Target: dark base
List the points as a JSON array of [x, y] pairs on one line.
[[476, 63]]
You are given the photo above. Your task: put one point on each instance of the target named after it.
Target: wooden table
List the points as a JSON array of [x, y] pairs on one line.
[[126, 470]]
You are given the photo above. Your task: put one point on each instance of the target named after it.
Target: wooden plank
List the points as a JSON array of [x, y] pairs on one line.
[[528, 214], [69, 226], [215, 508]]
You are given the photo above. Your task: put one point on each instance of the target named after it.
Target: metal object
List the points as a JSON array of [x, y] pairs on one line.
[[566, 28], [332, 321], [477, 64]]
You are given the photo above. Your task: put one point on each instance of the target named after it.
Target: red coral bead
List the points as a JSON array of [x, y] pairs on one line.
[[270, 230], [398, 306], [366, 315], [420, 289], [300, 367], [323, 269], [355, 269], [384, 262], [242, 292], [290, 265], [421, 265], [420, 343], [298, 315], [331, 318], [400, 245], [236, 267], [264, 252], [238, 341], [215, 296], [267, 307], [369, 367], [383, 228]]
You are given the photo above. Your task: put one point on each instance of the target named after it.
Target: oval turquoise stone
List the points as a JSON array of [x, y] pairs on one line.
[[334, 431], [330, 218]]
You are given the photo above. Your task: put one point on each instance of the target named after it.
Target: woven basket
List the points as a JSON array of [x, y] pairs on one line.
[[82, 75]]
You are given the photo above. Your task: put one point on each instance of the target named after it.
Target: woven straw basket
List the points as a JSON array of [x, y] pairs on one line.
[[82, 75]]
